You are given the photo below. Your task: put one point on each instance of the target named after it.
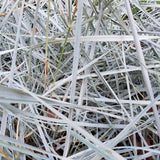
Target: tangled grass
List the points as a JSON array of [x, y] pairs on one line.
[[79, 79]]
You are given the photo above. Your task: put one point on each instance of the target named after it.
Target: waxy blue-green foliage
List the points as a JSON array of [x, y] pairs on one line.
[[85, 89]]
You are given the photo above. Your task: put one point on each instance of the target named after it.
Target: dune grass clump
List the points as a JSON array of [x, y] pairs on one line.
[[79, 79]]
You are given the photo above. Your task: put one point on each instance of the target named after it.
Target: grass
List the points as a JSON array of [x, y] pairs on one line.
[[79, 80]]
